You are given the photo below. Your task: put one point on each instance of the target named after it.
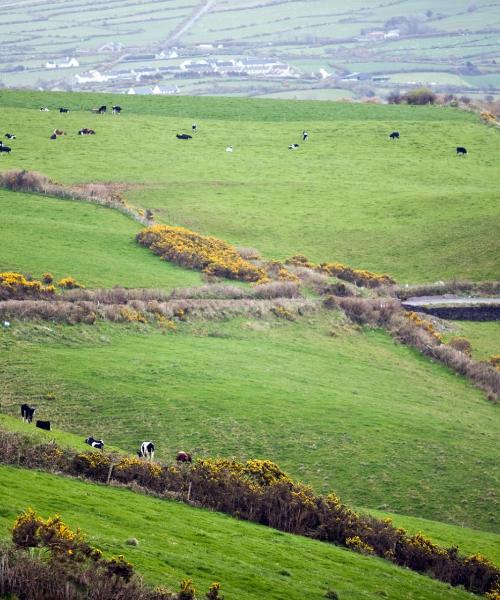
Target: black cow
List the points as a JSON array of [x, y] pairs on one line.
[[99, 444], [461, 150], [43, 425], [305, 135], [147, 450], [183, 136], [394, 135], [64, 110], [102, 109], [293, 147], [27, 413], [53, 136], [117, 109], [183, 457], [6, 149], [10, 136]]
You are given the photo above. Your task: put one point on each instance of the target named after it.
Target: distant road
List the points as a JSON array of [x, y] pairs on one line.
[[192, 20]]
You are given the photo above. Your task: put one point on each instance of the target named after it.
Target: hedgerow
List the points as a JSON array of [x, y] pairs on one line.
[[17, 285], [259, 491]]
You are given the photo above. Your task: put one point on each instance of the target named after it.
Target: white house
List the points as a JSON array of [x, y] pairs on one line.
[[92, 76]]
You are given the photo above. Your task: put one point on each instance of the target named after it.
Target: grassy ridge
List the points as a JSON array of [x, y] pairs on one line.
[[178, 541], [89, 242], [354, 413], [410, 208]]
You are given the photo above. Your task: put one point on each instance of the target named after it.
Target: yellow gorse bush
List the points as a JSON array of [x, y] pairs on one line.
[[194, 251], [360, 277], [70, 283], [495, 361], [15, 284], [419, 322]]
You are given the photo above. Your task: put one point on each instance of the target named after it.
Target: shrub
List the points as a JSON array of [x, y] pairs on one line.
[[69, 283], [194, 251], [461, 344], [17, 285], [495, 361], [47, 278], [420, 96]]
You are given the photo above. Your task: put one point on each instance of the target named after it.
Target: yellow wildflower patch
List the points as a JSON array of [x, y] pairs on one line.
[[194, 251]]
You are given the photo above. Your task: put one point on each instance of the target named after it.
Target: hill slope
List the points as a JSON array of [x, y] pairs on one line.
[[178, 541], [354, 413]]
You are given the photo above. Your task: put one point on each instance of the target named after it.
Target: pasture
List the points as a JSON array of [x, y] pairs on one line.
[[177, 541], [410, 208], [352, 412], [91, 243]]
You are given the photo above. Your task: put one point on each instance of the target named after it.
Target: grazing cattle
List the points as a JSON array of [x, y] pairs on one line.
[[99, 444], [183, 457], [59, 132], [43, 425], [194, 128], [6, 149], [117, 110], [86, 131], [147, 450], [183, 136], [293, 147], [229, 149], [64, 110], [394, 135], [102, 109], [27, 413], [461, 150], [44, 109], [10, 136], [53, 136], [305, 135]]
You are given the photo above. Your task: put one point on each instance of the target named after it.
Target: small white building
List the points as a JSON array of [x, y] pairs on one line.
[[92, 76]]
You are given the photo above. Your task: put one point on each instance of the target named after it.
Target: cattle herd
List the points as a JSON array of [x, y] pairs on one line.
[[147, 449], [116, 110]]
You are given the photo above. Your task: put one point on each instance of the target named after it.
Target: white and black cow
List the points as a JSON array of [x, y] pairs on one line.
[[64, 110], [43, 425], [461, 150], [99, 444], [293, 147], [147, 450], [183, 136], [10, 136], [116, 109], [305, 135], [44, 109], [27, 413], [194, 128]]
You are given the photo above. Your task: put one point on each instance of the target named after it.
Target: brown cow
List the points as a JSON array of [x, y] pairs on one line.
[[183, 457]]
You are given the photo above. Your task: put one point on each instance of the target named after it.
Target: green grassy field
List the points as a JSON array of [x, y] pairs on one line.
[[484, 337], [94, 244], [177, 541], [376, 423], [409, 208]]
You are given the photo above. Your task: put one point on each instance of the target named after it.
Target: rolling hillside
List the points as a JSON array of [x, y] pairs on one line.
[[339, 406], [177, 541], [410, 208]]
